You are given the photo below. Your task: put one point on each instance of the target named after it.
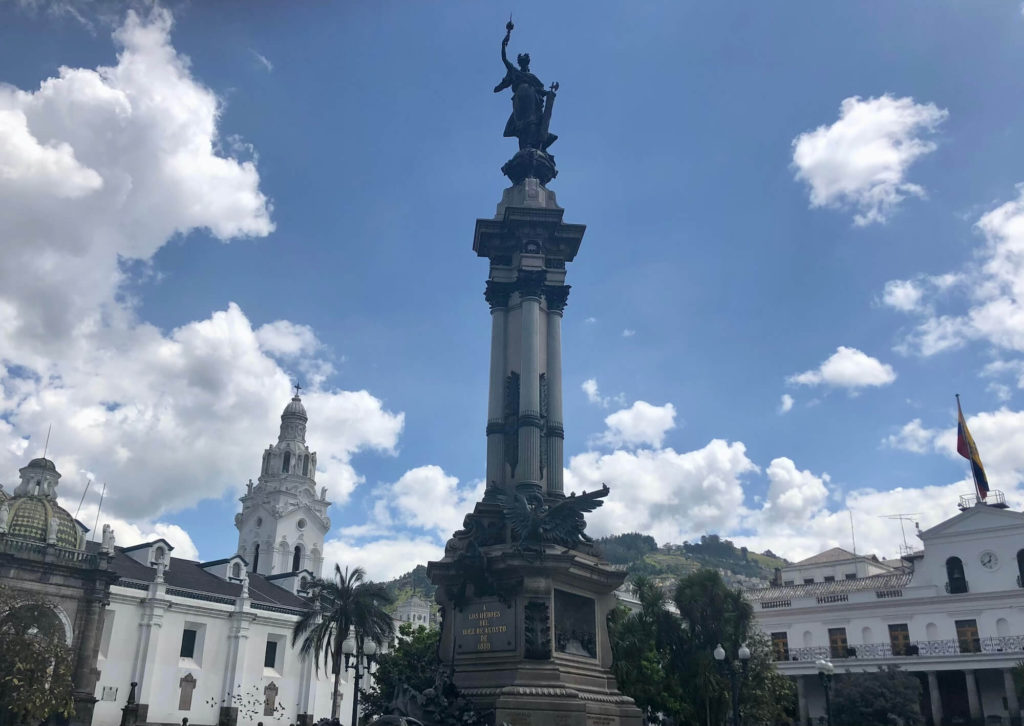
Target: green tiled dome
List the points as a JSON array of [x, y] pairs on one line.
[[30, 516]]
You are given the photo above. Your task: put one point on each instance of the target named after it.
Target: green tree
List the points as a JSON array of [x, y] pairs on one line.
[[35, 660], [412, 662], [874, 699], [349, 603], [642, 643]]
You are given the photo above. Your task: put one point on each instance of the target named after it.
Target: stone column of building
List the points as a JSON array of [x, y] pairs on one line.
[[528, 466], [803, 712], [555, 434], [497, 295], [86, 674], [150, 624], [1012, 702], [234, 667], [973, 703], [307, 693], [935, 697]]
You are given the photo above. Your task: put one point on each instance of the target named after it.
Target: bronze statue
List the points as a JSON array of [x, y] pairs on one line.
[[534, 522], [531, 104]]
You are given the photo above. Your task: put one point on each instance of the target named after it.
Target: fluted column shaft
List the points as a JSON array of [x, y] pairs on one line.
[[528, 466], [555, 440], [497, 295]]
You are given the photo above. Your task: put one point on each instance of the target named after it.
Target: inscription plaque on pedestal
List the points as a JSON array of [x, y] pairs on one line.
[[485, 626]]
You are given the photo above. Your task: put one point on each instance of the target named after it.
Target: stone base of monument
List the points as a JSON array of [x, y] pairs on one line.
[[527, 634]]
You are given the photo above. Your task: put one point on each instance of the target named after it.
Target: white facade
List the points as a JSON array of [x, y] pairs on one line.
[[211, 641], [416, 611], [283, 522], [953, 616]]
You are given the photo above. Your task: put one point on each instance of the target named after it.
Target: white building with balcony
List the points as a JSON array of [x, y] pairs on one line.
[[952, 614]]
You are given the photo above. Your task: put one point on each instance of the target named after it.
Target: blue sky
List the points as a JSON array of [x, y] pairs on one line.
[[815, 201]]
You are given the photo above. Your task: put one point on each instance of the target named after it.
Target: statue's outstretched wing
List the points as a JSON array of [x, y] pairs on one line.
[[517, 513], [564, 523]]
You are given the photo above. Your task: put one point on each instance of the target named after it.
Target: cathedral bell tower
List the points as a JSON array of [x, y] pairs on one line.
[[283, 522]]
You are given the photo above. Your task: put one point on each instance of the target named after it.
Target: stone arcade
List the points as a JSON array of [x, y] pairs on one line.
[[525, 597]]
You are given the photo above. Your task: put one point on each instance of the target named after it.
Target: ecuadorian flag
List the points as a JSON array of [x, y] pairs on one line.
[[966, 448]]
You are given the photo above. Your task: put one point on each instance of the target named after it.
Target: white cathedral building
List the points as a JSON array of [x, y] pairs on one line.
[[206, 641]]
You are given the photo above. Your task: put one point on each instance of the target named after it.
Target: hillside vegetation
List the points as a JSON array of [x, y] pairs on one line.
[[641, 555]]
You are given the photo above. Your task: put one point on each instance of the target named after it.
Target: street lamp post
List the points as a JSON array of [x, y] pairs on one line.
[[359, 654], [825, 672], [737, 671]]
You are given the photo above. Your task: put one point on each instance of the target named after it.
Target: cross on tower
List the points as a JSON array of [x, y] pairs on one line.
[[297, 389]]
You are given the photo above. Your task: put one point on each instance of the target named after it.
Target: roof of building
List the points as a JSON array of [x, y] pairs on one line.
[[29, 519], [888, 581], [189, 575], [41, 463], [836, 554], [295, 408]]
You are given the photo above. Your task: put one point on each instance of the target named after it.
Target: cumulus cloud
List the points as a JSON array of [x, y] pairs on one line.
[[667, 494], [101, 167], [903, 295], [590, 388], [793, 494], [847, 368], [861, 160], [785, 404], [429, 505], [989, 307], [913, 436], [628, 333], [640, 424]]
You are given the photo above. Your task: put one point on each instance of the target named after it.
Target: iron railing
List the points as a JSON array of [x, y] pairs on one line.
[[954, 646]]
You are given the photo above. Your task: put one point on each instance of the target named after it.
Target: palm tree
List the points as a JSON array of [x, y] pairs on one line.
[[341, 605]]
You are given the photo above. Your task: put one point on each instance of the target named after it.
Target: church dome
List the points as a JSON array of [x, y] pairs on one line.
[[42, 463], [295, 408], [29, 519]]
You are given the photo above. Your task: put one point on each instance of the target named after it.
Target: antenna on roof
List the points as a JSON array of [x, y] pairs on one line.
[[46, 446], [904, 517], [88, 481], [97, 523], [853, 536]]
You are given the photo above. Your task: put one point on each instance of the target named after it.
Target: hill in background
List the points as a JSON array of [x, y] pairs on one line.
[[641, 555]]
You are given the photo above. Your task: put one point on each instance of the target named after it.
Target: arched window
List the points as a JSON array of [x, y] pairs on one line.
[[158, 554], [957, 581], [286, 464], [256, 558], [297, 558], [303, 584], [236, 571], [305, 465], [1020, 568]]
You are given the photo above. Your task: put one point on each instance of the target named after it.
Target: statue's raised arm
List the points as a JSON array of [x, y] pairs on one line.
[[506, 82]]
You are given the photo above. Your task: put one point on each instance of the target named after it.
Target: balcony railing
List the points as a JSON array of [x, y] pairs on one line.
[[955, 646]]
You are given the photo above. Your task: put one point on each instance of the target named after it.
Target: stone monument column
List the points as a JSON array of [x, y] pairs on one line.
[[555, 434], [529, 286], [497, 295]]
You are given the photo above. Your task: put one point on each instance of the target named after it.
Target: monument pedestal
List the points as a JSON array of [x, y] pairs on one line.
[[528, 637]]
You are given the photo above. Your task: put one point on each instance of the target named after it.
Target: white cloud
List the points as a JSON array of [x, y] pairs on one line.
[[287, 339], [590, 320], [425, 503], [262, 60], [669, 495], [628, 333], [135, 532], [861, 160], [847, 368], [903, 295], [590, 388], [640, 424], [102, 167], [793, 494], [990, 308], [912, 437], [785, 404]]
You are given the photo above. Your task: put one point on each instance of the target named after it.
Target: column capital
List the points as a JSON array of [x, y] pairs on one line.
[[530, 283], [498, 293], [556, 296]]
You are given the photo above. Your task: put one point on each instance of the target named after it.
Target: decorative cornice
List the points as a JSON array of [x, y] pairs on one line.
[[530, 283], [556, 296], [498, 293], [495, 427]]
